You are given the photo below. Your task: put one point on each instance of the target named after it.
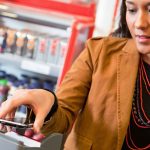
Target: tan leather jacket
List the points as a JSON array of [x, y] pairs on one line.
[[95, 97]]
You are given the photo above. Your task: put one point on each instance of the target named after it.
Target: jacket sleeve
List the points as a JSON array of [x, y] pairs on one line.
[[73, 92]]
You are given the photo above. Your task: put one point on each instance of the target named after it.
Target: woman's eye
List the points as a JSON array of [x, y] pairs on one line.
[[132, 11]]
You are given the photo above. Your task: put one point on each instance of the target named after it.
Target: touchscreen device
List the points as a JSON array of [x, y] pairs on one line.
[[15, 124]]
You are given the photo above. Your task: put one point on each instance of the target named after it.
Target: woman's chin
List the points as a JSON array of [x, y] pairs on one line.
[[143, 49]]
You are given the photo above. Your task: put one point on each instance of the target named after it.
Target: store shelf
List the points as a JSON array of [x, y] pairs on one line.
[[72, 22], [36, 15], [30, 65]]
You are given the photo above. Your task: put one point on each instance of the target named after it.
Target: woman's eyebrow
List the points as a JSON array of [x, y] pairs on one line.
[[132, 3], [129, 2]]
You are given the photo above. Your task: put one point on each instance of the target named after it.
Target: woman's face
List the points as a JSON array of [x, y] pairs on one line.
[[138, 20]]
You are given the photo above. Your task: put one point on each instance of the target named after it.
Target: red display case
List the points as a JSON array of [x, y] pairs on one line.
[[80, 23]]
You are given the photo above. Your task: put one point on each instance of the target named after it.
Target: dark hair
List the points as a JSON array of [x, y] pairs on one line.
[[122, 30]]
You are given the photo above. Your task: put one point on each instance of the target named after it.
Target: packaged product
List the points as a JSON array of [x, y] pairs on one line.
[[10, 41]]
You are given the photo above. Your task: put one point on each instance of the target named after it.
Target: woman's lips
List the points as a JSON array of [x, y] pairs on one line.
[[143, 38]]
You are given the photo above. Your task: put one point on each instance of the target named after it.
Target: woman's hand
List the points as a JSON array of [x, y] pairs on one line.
[[39, 100]]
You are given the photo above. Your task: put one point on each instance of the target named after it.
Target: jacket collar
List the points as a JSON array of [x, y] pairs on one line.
[[127, 67], [130, 47]]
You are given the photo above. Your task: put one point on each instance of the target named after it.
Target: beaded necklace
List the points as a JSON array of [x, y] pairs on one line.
[[138, 112], [139, 117]]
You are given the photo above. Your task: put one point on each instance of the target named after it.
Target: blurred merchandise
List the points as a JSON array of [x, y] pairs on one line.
[[49, 85], [39, 41], [25, 79], [40, 49], [2, 74], [53, 49], [10, 41], [3, 37], [35, 83], [3, 90], [10, 78], [62, 51], [20, 42], [9, 83], [30, 46]]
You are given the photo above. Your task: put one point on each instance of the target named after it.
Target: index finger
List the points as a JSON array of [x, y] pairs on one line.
[[7, 107], [19, 97]]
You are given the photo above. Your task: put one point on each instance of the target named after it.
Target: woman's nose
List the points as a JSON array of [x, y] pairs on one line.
[[141, 21]]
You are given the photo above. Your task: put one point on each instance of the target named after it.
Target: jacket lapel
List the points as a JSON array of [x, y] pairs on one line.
[[127, 67]]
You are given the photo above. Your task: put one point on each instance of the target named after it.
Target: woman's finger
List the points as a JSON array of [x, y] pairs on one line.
[[38, 137], [6, 108], [8, 117], [29, 133], [38, 123], [18, 98]]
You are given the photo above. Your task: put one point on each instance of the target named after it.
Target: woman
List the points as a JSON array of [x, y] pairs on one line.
[[103, 102]]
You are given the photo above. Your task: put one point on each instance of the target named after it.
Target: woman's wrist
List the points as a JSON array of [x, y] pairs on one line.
[[54, 107], [31, 116]]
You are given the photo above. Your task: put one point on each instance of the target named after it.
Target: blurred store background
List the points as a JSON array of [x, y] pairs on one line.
[[39, 40]]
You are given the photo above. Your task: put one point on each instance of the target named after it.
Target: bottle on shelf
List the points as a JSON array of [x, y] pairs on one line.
[[40, 49], [53, 49], [10, 41], [30, 46], [62, 52], [20, 43], [3, 37]]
